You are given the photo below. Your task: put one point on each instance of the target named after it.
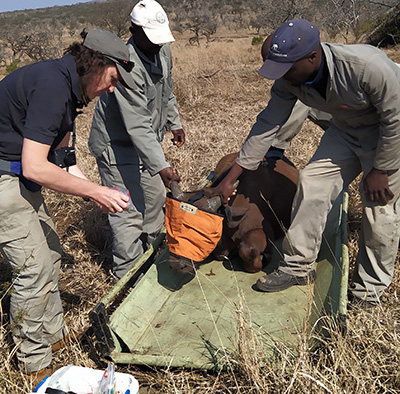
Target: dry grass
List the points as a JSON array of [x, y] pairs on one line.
[[219, 94]]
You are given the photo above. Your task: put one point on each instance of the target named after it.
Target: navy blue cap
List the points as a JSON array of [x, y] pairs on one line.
[[292, 41]]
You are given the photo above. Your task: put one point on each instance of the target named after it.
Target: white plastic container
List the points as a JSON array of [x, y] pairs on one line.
[[81, 380]]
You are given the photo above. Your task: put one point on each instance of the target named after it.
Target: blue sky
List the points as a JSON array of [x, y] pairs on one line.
[[12, 5]]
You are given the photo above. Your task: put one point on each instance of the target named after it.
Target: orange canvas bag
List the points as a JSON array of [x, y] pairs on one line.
[[191, 232]]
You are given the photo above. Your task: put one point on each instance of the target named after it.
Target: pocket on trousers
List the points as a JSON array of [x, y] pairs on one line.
[[12, 208]]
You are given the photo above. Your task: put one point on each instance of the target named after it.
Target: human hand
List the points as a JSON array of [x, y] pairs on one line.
[[227, 187], [179, 137], [111, 200], [225, 190], [376, 186], [168, 175]]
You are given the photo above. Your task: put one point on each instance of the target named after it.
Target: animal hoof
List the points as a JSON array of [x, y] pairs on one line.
[[181, 265]]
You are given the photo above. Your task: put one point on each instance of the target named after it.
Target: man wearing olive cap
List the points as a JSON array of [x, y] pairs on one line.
[[360, 87], [127, 131], [38, 107]]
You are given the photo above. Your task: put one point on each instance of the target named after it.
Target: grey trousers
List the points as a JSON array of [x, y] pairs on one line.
[[29, 242], [335, 164], [135, 229]]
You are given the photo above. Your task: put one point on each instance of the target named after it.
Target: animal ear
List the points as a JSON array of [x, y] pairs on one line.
[[238, 212]]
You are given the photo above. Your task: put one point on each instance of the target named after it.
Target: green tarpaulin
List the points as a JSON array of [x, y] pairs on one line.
[[156, 316]]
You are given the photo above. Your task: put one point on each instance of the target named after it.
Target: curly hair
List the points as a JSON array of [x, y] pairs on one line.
[[88, 61]]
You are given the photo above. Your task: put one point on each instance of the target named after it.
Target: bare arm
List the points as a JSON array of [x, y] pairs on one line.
[[37, 168], [225, 188]]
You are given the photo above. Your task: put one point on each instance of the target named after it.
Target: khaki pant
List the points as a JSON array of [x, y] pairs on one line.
[[135, 229], [28, 241], [335, 164]]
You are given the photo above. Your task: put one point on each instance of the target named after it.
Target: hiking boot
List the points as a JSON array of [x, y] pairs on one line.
[[35, 377], [71, 336], [278, 280]]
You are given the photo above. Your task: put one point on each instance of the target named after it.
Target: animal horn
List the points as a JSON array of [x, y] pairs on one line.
[[176, 190], [209, 204], [214, 203]]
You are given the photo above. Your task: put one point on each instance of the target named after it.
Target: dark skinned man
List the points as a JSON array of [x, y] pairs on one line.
[[127, 131], [360, 87]]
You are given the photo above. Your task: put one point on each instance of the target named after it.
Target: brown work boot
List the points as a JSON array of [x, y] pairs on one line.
[[71, 336], [278, 280], [35, 377]]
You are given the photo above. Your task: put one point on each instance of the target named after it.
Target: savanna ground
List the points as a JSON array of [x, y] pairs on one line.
[[219, 94]]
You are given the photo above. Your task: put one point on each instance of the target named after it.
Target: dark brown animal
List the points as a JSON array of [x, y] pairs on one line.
[[256, 216]]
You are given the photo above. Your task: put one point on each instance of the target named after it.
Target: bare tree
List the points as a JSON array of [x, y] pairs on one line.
[[13, 39], [113, 15], [3, 55], [42, 43], [234, 13], [352, 18], [268, 15], [386, 30], [199, 17], [344, 17]]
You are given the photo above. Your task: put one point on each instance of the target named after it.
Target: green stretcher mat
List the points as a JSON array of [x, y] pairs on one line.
[[156, 316]]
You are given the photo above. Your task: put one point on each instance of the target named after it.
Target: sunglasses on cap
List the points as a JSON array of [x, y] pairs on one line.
[[127, 65]]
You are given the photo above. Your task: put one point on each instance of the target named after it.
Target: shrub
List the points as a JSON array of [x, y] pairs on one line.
[[257, 40], [12, 66]]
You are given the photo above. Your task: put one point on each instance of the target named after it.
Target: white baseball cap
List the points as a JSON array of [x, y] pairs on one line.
[[152, 18]]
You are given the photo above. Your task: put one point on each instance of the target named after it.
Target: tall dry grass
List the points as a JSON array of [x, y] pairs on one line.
[[219, 95]]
